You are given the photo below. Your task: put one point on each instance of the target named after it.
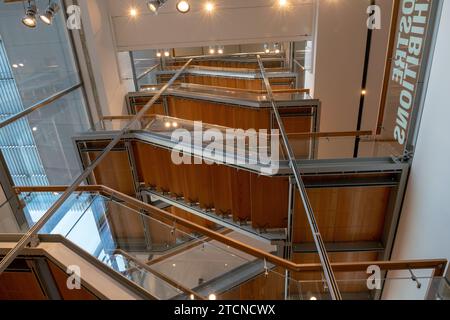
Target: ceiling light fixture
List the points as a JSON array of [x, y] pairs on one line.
[[266, 48], [282, 3], [220, 50], [209, 7], [133, 12], [155, 5], [167, 53], [159, 54], [183, 6], [212, 50], [49, 14], [30, 15]]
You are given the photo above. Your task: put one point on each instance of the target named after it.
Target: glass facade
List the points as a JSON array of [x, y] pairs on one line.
[[36, 64]]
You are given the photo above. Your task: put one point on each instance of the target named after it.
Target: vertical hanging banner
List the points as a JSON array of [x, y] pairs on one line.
[[406, 68]]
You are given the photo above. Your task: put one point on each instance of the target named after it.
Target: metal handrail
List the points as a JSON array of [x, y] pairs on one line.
[[299, 65], [438, 265], [146, 72], [26, 239], [328, 271], [39, 105]]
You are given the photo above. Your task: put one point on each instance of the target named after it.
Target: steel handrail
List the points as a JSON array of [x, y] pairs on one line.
[[39, 105]]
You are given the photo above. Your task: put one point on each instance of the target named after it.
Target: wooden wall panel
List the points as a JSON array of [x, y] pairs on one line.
[[153, 166], [270, 287], [220, 114], [240, 192], [156, 109], [20, 286], [221, 179], [114, 171], [269, 201], [344, 214]]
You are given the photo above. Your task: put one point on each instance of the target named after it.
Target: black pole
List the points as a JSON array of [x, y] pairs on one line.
[[363, 86]]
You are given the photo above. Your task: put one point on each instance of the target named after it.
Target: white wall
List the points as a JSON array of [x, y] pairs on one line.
[[340, 52], [103, 55], [423, 231], [233, 22]]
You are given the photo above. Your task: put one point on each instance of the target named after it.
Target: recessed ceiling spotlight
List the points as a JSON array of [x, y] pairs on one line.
[[155, 5], [30, 15], [21, 65], [49, 14], [183, 6], [209, 6], [212, 50], [15, 66], [159, 54], [220, 50], [133, 12], [167, 53]]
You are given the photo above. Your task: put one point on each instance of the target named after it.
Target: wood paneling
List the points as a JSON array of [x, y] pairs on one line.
[[20, 286], [269, 201], [114, 171], [344, 214], [219, 114], [240, 191], [221, 180]]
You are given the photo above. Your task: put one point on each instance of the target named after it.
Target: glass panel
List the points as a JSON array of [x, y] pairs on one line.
[[38, 148], [41, 59]]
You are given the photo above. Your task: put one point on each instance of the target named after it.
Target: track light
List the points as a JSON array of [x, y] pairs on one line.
[[30, 15], [183, 6], [49, 14], [155, 5]]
